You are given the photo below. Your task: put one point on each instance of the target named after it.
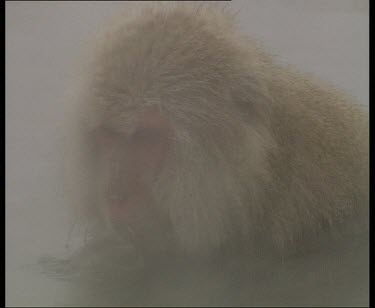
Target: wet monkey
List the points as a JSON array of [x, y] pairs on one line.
[[193, 142]]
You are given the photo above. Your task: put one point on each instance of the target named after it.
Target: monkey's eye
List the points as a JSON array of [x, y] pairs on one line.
[[145, 135], [105, 140]]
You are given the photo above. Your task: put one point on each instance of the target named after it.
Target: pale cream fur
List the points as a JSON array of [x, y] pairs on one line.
[[261, 152]]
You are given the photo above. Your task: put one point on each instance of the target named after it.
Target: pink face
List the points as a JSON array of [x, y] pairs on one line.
[[131, 164]]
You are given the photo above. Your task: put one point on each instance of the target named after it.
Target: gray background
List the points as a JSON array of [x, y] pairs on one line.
[[43, 40]]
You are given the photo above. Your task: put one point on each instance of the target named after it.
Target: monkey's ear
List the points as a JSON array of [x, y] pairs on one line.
[[149, 143]]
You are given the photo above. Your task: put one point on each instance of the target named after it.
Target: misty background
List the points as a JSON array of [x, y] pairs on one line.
[[44, 39]]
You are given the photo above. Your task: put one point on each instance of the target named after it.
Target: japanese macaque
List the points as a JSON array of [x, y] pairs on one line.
[[193, 142]]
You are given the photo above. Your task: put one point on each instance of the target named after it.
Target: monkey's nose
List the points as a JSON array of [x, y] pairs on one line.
[[116, 199]]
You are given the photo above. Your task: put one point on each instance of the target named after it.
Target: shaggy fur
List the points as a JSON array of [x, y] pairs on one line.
[[262, 155]]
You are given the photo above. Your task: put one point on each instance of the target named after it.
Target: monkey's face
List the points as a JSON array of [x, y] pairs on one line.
[[127, 165], [163, 186]]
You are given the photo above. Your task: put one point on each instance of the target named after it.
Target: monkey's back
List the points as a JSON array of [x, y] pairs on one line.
[[320, 166]]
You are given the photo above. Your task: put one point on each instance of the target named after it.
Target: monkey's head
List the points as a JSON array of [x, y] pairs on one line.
[[176, 134]]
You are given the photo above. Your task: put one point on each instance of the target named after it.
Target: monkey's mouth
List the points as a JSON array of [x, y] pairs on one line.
[[135, 220], [120, 210], [123, 219], [130, 209]]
